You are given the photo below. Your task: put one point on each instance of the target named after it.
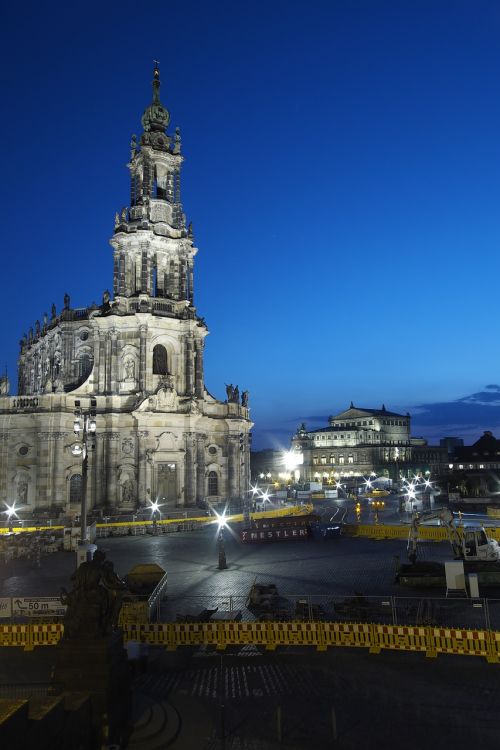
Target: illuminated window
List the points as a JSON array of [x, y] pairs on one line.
[[75, 489], [350, 458], [332, 459], [341, 459], [213, 483], [323, 459]]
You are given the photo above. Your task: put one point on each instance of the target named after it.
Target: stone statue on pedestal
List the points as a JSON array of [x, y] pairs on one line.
[[94, 602]]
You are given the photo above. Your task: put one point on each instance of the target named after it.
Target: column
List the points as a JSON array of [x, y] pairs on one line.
[[191, 283], [200, 469], [116, 273], [176, 279], [189, 470], [189, 364], [107, 360], [169, 278], [232, 467], [101, 371], [111, 454], [114, 360], [144, 272], [143, 331], [198, 362], [121, 279], [142, 459], [182, 280]]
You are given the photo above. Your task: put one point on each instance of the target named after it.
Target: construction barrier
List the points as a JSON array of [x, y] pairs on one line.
[[47, 634], [465, 642], [271, 635], [401, 638], [196, 521], [426, 533], [347, 634]]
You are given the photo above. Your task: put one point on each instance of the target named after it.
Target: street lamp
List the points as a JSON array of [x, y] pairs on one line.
[[155, 508], [221, 521], [84, 427], [11, 511]]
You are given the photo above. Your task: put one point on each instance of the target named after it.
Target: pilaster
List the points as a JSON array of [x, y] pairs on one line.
[[199, 383], [200, 468], [143, 333]]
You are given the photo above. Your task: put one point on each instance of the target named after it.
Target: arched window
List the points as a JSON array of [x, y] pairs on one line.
[[160, 360], [75, 489], [213, 483], [84, 366]]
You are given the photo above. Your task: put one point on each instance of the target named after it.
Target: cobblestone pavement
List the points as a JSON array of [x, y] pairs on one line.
[[326, 572], [391, 700], [341, 565]]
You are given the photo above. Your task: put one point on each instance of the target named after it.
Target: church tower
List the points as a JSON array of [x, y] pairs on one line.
[[138, 357], [153, 250]]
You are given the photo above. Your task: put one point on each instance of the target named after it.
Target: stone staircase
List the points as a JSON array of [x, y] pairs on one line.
[[178, 721]]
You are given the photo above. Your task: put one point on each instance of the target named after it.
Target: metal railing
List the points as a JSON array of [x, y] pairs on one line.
[[481, 613]]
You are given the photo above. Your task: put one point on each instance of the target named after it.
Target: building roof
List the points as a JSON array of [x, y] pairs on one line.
[[354, 412], [487, 446]]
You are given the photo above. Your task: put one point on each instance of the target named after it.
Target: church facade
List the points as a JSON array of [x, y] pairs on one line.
[[137, 359]]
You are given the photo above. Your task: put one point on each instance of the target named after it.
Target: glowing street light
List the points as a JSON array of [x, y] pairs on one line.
[[11, 511], [221, 524], [154, 508]]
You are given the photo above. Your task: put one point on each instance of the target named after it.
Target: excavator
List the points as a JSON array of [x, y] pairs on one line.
[[472, 545], [480, 553]]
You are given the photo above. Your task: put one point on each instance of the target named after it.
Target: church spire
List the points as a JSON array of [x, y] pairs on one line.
[[156, 117]]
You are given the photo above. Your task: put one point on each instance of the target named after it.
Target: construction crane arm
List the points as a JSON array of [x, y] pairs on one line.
[[445, 516]]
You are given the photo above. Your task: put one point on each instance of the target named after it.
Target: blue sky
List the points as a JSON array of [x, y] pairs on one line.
[[342, 174]]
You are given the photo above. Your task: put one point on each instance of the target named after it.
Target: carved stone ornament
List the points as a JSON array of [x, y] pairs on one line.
[[127, 446]]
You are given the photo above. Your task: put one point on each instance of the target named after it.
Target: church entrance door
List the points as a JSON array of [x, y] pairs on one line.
[[166, 484]]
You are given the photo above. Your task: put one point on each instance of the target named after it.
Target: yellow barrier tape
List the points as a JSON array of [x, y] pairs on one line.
[[272, 635], [294, 510], [427, 533]]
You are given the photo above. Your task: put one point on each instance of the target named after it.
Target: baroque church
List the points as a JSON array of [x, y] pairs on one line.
[[137, 361]]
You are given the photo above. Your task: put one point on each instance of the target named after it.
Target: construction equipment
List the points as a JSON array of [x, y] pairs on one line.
[[473, 544]]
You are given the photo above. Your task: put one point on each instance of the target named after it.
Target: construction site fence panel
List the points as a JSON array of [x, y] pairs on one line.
[[272, 635]]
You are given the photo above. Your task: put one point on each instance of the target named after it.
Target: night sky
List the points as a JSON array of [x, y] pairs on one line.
[[342, 174]]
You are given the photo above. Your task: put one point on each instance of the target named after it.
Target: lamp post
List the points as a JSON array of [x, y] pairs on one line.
[[221, 520], [155, 508], [10, 512], [84, 428]]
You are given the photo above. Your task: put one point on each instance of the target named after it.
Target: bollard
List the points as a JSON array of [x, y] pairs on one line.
[[279, 726], [334, 724]]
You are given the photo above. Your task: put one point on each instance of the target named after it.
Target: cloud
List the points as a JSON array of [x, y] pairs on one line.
[[466, 417]]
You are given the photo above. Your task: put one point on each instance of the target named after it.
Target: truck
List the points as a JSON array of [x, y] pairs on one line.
[[480, 553]]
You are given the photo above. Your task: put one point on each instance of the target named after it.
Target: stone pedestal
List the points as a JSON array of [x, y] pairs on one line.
[[98, 666]]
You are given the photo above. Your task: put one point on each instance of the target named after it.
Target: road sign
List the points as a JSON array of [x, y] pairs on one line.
[[39, 606], [5, 607]]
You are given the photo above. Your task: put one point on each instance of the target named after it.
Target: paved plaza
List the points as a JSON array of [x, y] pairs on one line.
[[389, 699], [350, 579]]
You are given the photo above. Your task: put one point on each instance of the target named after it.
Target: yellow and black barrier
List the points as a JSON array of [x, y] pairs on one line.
[[272, 635], [294, 510], [425, 533]]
